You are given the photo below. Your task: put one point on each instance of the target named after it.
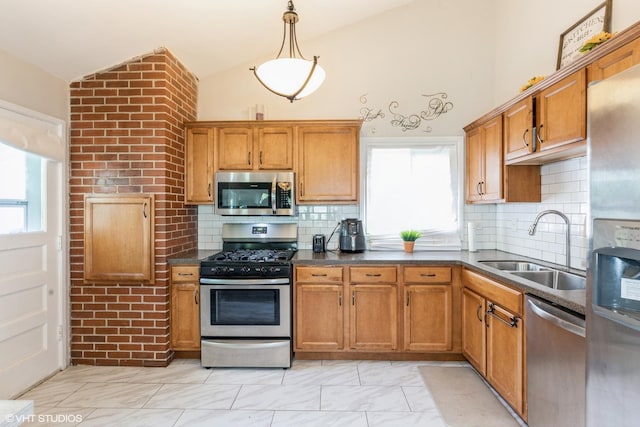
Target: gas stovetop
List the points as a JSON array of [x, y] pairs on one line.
[[252, 255]]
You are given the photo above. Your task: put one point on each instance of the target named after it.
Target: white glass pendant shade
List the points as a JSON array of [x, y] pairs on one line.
[[285, 76]]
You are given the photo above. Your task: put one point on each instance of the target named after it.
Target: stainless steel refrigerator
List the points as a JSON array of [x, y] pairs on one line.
[[613, 272]]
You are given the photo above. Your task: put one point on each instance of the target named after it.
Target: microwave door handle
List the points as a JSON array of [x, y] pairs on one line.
[[273, 193]]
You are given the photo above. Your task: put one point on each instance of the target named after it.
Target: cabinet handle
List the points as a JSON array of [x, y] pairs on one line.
[[301, 187], [340, 299], [428, 274], [249, 158], [538, 134], [513, 320], [185, 274], [144, 210], [209, 189], [318, 274], [408, 299], [261, 158], [478, 312], [478, 189], [373, 274], [524, 141], [195, 297], [353, 297]]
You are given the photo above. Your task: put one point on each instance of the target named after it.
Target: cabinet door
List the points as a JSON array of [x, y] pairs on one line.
[[235, 146], [199, 166], [185, 308], [615, 62], [328, 164], [562, 112], [518, 122], [493, 161], [505, 355], [474, 165], [473, 329], [427, 318], [275, 148], [319, 317], [373, 322], [118, 234]]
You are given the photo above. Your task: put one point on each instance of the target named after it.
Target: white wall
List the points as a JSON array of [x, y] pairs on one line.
[[28, 86], [425, 47], [529, 34]]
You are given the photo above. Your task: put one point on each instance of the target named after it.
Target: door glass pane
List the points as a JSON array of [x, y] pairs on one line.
[[245, 307], [21, 195]]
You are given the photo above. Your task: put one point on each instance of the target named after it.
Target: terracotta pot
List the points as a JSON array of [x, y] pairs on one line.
[[408, 247]]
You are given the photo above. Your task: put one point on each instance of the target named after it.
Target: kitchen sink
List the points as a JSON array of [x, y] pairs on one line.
[[559, 280], [515, 265]]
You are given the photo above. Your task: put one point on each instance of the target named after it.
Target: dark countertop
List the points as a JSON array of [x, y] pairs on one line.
[[573, 300]]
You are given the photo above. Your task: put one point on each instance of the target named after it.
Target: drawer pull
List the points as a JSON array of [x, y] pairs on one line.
[[373, 275], [185, 274], [428, 275], [318, 274]]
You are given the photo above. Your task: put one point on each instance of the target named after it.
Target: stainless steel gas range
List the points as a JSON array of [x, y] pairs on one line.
[[246, 297]]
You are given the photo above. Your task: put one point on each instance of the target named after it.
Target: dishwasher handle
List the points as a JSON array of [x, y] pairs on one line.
[[558, 317]]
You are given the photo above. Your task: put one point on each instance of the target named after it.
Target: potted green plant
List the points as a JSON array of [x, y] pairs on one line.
[[409, 238]]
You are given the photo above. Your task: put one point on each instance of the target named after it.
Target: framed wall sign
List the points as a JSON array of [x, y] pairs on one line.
[[594, 22]]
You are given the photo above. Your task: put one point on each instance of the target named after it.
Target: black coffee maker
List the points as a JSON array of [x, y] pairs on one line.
[[352, 236]]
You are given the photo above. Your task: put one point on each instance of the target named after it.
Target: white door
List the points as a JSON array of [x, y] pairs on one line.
[[31, 273]]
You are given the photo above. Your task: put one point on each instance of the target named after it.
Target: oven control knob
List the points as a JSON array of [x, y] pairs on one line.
[[274, 269], [245, 270]]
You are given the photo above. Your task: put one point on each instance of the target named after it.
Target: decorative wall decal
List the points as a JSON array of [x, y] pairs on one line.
[[369, 114], [437, 105]]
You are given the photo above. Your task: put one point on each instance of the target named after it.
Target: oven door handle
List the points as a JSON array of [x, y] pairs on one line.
[[278, 281]]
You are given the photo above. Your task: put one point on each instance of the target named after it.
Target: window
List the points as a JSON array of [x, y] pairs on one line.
[[20, 191], [413, 183]]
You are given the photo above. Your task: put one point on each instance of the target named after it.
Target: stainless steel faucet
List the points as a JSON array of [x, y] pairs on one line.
[[532, 230]]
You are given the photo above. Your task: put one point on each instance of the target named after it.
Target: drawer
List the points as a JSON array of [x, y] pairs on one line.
[[185, 273], [493, 291], [427, 275], [318, 275], [373, 274]]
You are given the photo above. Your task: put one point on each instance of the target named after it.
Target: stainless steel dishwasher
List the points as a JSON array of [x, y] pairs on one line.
[[556, 365]]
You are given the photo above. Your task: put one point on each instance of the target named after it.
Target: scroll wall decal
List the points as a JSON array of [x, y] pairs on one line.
[[437, 105]]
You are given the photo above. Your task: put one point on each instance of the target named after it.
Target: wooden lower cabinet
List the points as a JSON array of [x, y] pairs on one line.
[[373, 320], [185, 308], [318, 308], [474, 336], [319, 323], [505, 339], [378, 310], [493, 335]]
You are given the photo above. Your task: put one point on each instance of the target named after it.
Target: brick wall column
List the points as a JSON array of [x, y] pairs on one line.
[[127, 136]]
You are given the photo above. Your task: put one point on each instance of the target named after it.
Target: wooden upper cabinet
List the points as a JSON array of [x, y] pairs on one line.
[[274, 148], [119, 239], [484, 162], [255, 147], [518, 129], [328, 165], [234, 148], [199, 166], [562, 112], [619, 60]]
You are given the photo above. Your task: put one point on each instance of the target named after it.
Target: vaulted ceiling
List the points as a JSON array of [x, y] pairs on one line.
[[74, 38]]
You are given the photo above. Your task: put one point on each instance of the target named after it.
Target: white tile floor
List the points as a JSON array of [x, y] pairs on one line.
[[311, 393]]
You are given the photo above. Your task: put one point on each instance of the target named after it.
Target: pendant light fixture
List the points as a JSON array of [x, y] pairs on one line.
[[292, 77]]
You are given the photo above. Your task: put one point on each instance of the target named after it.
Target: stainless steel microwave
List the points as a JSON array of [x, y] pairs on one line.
[[255, 193]]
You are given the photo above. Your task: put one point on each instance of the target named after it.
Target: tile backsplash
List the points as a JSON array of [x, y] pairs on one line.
[[311, 219], [505, 226], [498, 226]]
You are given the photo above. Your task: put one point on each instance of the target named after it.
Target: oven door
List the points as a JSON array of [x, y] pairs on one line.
[[245, 308]]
